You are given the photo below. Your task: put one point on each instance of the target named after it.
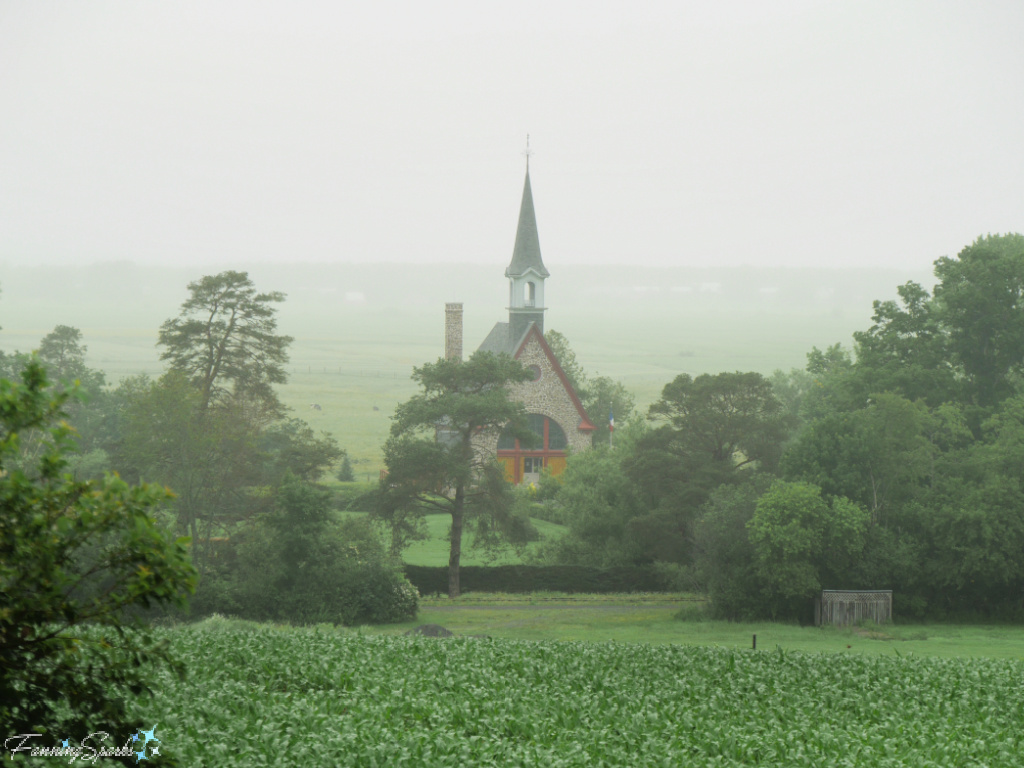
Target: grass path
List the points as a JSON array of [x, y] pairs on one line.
[[636, 619]]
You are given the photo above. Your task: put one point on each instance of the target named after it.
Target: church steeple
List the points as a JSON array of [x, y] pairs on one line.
[[526, 253], [526, 272]]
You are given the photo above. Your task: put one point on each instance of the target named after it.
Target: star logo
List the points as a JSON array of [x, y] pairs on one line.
[[145, 737], [149, 736]]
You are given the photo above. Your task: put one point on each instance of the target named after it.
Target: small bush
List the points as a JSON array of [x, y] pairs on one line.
[[377, 596], [297, 564], [345, 473]]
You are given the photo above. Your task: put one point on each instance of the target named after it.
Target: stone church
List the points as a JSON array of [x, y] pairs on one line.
[[555, 412]]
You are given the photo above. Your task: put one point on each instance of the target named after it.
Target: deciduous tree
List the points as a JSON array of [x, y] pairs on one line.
[[731, 418], [880, 455], [291, 445], [75, 559], [724, 557], [711, 428], [600, 505], [798, 539], [225, 340], [210, 460], [980, 302], [601, 396]]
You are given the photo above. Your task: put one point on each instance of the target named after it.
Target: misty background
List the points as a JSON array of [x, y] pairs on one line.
[[795, 133], [718, 187], [644, 331]]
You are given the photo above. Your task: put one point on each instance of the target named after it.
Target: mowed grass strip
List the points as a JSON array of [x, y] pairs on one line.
[[260, 695], [653, 619]]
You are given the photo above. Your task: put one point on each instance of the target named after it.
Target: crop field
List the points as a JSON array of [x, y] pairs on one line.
[[271, 696]]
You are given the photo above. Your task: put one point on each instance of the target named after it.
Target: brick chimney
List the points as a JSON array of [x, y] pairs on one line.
[[453, 331]]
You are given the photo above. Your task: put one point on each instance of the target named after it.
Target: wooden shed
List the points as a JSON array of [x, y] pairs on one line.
[[843, 607]]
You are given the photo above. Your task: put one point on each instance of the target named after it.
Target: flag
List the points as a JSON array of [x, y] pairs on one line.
[[611, 420]]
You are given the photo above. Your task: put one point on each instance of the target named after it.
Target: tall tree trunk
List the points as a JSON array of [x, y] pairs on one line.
[[455, 553], [396, 540]]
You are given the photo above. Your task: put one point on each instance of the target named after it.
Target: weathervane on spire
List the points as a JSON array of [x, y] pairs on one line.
[[527, 153]]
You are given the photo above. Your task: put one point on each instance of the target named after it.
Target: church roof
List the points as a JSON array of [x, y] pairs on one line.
[[526, 254], [500, 340]]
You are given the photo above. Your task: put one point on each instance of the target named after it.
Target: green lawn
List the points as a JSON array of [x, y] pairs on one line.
[[434, 551]]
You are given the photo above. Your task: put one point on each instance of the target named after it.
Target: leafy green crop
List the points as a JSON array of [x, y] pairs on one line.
[[271, 696]]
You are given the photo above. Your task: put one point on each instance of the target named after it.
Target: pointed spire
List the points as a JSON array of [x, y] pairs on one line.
[[526, 253]]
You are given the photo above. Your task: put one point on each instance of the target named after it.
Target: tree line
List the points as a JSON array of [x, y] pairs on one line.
[[892, 464]]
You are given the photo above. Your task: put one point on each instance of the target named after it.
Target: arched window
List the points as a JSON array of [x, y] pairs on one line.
[[523, 462], [556, 437], [531, 294], [506, 441], [550, 436]]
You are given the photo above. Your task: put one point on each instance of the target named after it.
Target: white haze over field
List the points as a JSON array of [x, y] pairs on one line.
[[697, 134]]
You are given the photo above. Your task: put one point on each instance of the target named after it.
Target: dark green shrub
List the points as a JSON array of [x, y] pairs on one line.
[[297, 564]]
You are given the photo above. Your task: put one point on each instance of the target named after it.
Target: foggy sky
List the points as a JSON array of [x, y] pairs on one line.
[[782, 133]]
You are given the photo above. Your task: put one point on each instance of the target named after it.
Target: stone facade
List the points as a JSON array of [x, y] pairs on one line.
[[549, 396]]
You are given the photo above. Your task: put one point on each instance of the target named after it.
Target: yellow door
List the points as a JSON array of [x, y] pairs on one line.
[[557, 465], [509, 466]]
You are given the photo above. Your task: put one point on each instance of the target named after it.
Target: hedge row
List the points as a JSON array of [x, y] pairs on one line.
[[430, 580]]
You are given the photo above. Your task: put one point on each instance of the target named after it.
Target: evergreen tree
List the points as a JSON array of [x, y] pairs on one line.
[[436, 460]]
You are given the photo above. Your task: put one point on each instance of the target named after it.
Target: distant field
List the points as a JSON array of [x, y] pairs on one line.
[[360, 329]]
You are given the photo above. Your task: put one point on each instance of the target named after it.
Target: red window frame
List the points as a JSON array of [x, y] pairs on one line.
[[518, 453]]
